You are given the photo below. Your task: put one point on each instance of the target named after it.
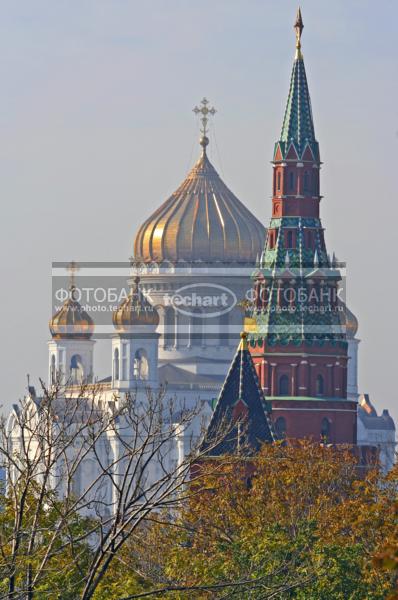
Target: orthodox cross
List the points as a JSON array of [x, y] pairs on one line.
[[205, 111], [72, 268]]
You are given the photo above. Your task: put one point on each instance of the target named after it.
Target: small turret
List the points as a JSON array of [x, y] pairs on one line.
[[135, 346], [71, 351]]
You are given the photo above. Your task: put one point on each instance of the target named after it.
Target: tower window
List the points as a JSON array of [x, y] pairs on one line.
[[141, 365], [320, 386], [291, 180], [272, 238], [280, 428], [76, 369], [116, 365], [279, 181], [124, 362], [284, 385], [53, 374], [290, 239]]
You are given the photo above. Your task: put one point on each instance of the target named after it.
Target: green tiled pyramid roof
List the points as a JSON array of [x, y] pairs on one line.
[[298, 124], [241, 404]]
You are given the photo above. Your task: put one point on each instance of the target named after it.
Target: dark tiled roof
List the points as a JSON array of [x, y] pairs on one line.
[[241, 415]]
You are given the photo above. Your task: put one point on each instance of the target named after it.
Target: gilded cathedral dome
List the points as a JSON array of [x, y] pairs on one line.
[[202, 220]]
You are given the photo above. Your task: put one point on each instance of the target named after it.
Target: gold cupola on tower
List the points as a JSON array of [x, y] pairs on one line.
[[135, 313], [203, 220], [71, 321]]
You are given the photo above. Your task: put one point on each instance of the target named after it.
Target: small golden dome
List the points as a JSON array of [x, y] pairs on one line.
[[202, 220], [350, 322], [71, 321], [135, 312]]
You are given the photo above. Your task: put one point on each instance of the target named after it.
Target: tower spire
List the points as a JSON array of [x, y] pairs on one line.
[[298, 124], [298, 26]]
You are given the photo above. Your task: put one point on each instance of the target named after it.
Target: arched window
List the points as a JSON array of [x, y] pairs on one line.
[[279, 182], [197, 328], [291, 181], [280, 428], [76, 369], [53, 372], [169, 326], [116, 364], [125, 361], [325, 429], [320, 386], [141, 365], [284, 385]]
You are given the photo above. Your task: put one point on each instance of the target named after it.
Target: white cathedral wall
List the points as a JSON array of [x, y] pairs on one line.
[[177, 342], [97, 492]]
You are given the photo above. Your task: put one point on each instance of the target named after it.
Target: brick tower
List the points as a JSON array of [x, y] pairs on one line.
[[296, 319]]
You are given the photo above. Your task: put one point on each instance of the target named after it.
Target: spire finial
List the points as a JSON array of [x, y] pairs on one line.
[[298, 26], [243, 341], [72, 268], [205, 111]]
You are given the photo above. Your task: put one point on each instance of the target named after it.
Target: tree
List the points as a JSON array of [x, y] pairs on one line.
[[84, 473], [300, 520]]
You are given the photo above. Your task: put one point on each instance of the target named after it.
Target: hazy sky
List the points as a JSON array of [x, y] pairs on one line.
[[96, 130]]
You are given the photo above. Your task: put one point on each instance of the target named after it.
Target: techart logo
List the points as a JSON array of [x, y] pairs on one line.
[[202, 300]]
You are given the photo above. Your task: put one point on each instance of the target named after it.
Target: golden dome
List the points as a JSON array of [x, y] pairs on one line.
[[135, 312], [71, 321], [202, 220], [349, 321]]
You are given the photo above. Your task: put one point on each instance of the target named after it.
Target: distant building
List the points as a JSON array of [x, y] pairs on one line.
[[375, 430]]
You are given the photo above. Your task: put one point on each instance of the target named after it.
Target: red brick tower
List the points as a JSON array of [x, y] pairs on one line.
[[296, 322]]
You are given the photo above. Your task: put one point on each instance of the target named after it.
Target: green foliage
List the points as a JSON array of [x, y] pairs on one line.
[[30, 550], [310, 526], [307, 528]]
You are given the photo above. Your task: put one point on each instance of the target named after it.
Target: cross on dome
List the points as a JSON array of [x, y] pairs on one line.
[[72, 268], [205, 111]]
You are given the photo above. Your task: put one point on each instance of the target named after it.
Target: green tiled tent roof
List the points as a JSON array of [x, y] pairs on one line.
[[298, 124]]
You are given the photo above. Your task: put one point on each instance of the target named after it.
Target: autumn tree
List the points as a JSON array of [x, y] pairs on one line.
[[300, 520]]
